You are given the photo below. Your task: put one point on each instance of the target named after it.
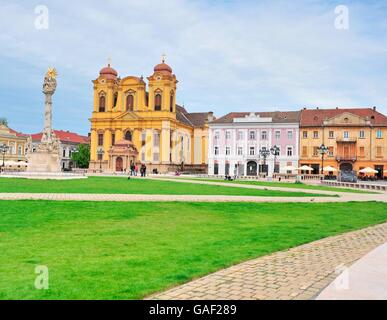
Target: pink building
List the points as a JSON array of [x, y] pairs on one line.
[[239, 141]]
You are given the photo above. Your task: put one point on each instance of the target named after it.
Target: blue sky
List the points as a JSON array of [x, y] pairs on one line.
[[227, 55]]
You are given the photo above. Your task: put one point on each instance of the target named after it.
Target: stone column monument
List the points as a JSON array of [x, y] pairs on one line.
[[45, 157]]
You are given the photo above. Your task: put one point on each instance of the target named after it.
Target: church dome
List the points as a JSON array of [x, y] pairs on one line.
[[108, 73], [163, 67]]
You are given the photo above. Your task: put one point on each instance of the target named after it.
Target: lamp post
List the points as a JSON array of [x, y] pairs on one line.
[[100, 153], [275, 152], [264, 153], [73, 150], [4, 149], [322, 150]]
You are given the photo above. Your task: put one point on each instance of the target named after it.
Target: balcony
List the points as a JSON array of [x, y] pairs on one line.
[[346, 140], [346, 158]]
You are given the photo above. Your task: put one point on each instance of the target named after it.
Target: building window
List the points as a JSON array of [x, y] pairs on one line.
[[171, 103], [379, 152], [142, 156], [155, 157], [330, 151], [216, 137], [115, 99], [216, 168], [304, 151], [228, 135], [252, 135], [290, 135], [113, 139], [240, 151], [331, 135], [346, 134], [99, 155], [315, 134], [129, 102], [252, 151], [20, 150], [379, 134], [278, 135], [361, 134], [216, 151], [102, 103], [100, 139], [227, 169], [264, 135], [361, 152], [228, 151], [12, 148], [158, 102], [240, 135], [128, 135], [143, 139], [315, 151], [156, 139], [64, 153], [289, 151], [305, 134]]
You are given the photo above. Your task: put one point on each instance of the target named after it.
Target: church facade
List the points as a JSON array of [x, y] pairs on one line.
[[136, 123]]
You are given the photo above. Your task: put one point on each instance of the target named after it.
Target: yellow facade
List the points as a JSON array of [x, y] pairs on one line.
[[16, 144], [354, 141], [164, 134]]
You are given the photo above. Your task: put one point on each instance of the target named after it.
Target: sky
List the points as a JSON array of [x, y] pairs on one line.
[[228, 55]]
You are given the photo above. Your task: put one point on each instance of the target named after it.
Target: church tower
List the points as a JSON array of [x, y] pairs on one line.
[[162, 88]]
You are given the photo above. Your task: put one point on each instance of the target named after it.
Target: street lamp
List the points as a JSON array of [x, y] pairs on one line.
[[4, 149], [275, 151], [264, 153], [100, 153], [73, 150], [322, 150]]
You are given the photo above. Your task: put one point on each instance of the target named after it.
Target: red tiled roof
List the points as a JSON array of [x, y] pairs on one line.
[[316, 117], [277, 116], [18, 134], [64, 136]]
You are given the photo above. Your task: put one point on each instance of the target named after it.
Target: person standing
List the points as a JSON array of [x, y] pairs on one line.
[[135, 170]]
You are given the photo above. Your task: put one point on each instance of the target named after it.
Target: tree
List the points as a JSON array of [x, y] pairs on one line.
[[4, 121], [82, 157]]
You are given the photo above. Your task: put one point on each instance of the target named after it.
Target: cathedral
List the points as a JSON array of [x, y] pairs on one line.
[[133, 123]]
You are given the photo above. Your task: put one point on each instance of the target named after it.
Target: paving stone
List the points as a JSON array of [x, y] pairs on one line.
[[309, 269]]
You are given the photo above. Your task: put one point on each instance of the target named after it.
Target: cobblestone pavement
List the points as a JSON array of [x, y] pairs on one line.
[[184, 198], [260, 187], [298, 273]]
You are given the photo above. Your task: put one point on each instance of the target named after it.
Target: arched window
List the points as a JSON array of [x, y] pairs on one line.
[[129, 102], [115, 99], [128, 135], [171, 108], [158, 102], [102, 101]]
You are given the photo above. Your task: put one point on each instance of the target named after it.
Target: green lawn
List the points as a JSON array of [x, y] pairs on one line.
[[118, 185], [284, 185], [114, 250]]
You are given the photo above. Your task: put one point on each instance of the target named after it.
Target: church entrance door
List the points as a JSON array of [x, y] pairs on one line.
[[119, 164]]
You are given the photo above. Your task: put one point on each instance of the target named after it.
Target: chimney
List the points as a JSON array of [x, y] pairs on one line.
[[210, 116], [374, 108], [317, 108]]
